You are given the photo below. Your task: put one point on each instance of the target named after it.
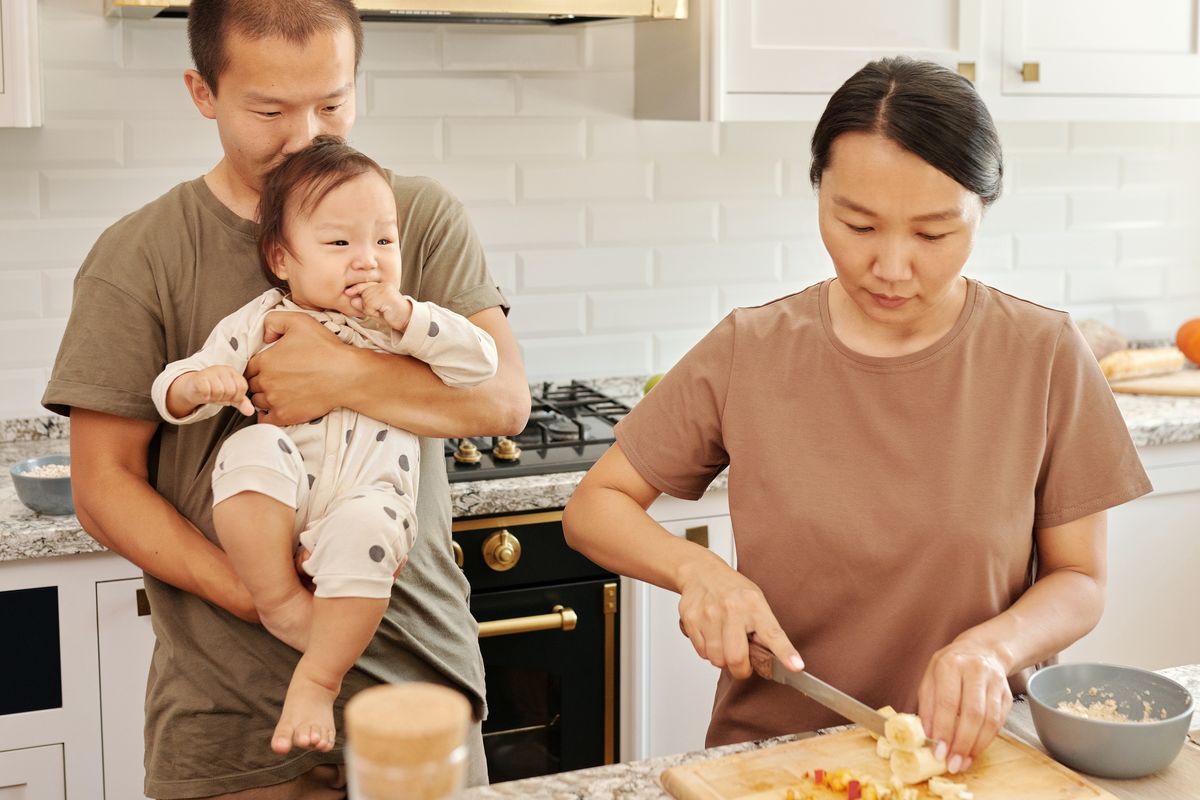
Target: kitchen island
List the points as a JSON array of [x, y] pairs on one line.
[[638, 780]]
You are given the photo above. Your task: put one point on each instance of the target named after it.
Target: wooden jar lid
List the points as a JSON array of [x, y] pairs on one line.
[[406, 724]]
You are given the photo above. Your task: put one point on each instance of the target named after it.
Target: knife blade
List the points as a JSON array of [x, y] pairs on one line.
[[767, 665]]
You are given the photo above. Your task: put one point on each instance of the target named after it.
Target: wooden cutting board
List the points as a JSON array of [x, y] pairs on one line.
[[1008, 769], [1183, 383]]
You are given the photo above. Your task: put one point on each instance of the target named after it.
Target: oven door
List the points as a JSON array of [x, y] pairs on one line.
[[550, 654]]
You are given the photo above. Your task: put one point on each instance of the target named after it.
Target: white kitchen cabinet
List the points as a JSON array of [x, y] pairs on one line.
[[1030, 59], [20, 82], [126, 642], [1153, 561], [667, 688], [33, 773]]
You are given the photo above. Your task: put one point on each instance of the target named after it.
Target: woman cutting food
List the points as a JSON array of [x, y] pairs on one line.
[[919, 465]]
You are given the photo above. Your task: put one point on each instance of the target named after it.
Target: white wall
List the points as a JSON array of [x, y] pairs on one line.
[[618, 241]]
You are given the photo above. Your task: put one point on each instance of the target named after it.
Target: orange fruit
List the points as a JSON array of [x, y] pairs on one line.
[[1187, 339]]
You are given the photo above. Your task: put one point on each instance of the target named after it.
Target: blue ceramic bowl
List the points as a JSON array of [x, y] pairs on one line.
[[1110, 749], [43, 495]]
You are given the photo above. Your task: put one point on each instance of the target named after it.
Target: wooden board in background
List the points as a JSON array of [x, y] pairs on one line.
[[1185, 383], [1008, 769]]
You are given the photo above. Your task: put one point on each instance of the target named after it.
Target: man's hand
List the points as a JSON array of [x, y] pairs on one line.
[[295, 379], [215, 384]]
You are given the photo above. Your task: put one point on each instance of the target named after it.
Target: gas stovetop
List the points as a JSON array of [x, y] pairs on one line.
[[570, 426]]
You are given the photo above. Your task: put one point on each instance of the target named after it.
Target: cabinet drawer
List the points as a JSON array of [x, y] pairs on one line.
[[34, 773]]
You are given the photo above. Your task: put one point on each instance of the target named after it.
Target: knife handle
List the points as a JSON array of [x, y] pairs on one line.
[[762, 660]]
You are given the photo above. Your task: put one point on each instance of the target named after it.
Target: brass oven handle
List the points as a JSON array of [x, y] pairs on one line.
[[561, 618]]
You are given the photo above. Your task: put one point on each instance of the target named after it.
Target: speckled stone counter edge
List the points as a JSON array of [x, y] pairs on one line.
[[1152, 420]]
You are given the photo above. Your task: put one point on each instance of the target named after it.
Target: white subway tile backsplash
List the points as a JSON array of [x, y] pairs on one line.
[[400, 46], [670, 346], [65, 142], [471, 183], [1183, 282], [706, 265], [1032, 137], [57, 289], [1175, 244], [157, 44], [20, 295], [389, 140], [806, 261], [1103, 286], [784, 219], [18, 193], [547, 315], [1025, 213], [1157, 170], [762, 139], [1064, 173], [1104, 312], [1153, 320], [1118, 209], [1119, 136], [752, 294], [653, 137], [530, 50], [554, 225], [609, 44], [718, 179], [99, 192], [92, 93], [79, 40], [587, 356], [1067, 249], [587, 180], [171, 142], [29, 343], [652, 310], [402, 95], [514, 138], [652, 223], [991, 253], [21, 392], [1043, 286], [593, 94], [582, 269], [503, 268], [55, 240]]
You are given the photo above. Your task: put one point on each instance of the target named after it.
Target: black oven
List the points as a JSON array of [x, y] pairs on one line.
[[549, 622]]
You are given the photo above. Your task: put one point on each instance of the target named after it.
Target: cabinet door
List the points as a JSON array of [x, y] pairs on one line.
[[1102, 47], [812, 46], [126, 643], [20, 87], [35, 773], [679, 685]]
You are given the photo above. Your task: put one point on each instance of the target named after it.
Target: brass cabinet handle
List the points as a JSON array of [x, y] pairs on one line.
[[143, 603], [458, 553], [967, 70], [501, 551], [1031, 72], [561, 618]]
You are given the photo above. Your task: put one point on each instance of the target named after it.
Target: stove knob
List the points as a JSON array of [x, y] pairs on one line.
[[501, 551], [467, 452], [458, 553], [506, 450]]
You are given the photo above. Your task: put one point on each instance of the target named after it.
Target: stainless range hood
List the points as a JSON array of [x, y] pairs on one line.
[[553, 12]]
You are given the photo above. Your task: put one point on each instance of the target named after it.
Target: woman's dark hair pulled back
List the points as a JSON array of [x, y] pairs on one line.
[[929, 110]]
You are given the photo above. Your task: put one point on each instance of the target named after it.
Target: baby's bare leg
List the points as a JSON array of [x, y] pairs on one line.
[[341, 629], [257, 532]]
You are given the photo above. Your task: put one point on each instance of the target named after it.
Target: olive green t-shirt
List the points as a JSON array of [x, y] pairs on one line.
[[150, 291], [883, 505]]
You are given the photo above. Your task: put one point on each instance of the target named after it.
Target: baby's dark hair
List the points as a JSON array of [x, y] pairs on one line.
[[299, 184]]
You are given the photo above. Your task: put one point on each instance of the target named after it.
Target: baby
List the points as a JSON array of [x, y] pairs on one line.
[[343, 486]]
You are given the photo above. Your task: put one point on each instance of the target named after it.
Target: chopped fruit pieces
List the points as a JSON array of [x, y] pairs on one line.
[[853, 790]]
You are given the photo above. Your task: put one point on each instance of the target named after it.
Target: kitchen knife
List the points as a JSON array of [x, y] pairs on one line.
[[768, 666]]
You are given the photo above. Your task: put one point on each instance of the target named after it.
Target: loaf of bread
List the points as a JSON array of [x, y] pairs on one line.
[[1126, 364]]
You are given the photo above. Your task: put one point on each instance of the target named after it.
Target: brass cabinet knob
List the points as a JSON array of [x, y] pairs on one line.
[[501, 551], [967, 70], [458, 553], [1031, 71]]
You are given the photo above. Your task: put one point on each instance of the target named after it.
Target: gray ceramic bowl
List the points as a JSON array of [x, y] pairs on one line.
[[43, 495], [1103, 748]]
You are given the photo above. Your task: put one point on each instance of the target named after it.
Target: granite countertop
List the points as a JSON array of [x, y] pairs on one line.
[[1152, 420], [638, 780]]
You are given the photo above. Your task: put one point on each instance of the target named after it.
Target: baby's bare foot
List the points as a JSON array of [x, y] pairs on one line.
[[307, 717]]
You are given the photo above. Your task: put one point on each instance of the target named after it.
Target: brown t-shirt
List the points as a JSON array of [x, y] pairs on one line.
[[151, 290], [883, 505]]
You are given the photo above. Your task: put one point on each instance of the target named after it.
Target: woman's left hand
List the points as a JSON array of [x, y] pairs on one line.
[[963, 700]]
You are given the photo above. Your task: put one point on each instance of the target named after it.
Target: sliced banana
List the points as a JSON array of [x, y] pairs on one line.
[[905, 732], [883, 748], [948, 789], [916, 766]]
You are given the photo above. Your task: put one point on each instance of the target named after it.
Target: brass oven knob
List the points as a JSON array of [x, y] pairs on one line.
[[506, 450], [458, 553], [467, 452], [501, 551]]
